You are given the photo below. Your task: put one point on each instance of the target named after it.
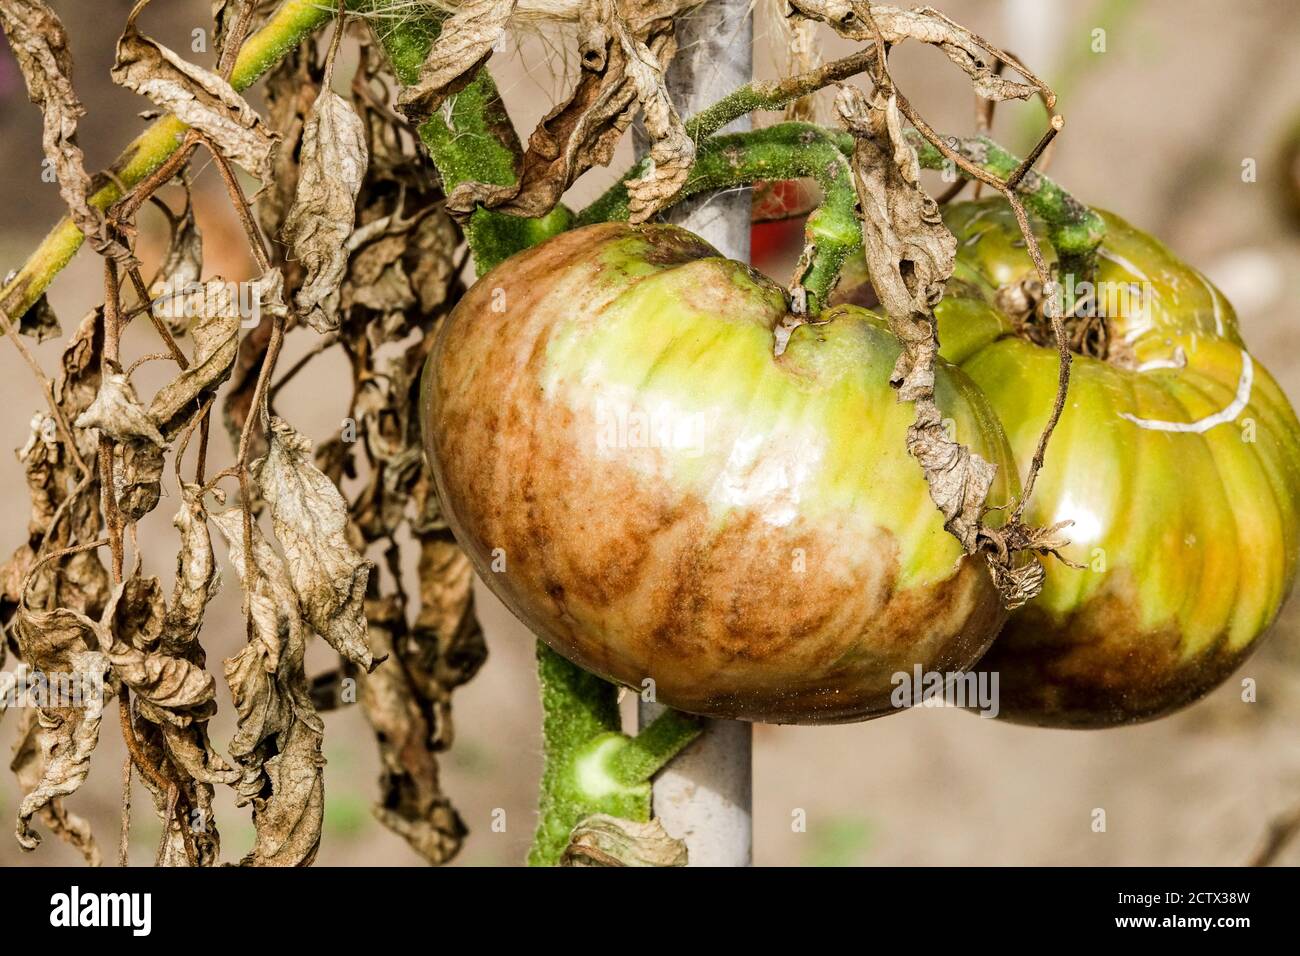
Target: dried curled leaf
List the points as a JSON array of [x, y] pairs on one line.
[[288, 822], [672, 152], [910, 254], [181, 266], [264, 674], [463, 45], [623, 58], [333, 164], [197, 96], [165, 686], [118, 413], [216, 340], [852, 19], [310, 520], [169, 689], [604, 840], [28, 766], [408, 701], [137, 477], [39, 322], [197, 578], [40, 45], [66, 737], [277, 744]]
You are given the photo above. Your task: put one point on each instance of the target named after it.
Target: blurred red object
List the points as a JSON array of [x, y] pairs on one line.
[[779, 212]]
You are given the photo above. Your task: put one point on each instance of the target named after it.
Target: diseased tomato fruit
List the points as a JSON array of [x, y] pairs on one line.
[[1187, 534], [659, 497]]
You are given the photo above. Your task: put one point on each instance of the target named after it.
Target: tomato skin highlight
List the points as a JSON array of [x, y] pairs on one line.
[[1188, 539], [659, 497]]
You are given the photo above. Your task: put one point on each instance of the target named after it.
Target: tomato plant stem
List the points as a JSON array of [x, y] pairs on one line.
[[591, 766], [471, 140], [287, 27]]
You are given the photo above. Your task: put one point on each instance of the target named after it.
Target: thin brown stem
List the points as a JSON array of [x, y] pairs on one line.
[[124, 836], [340, 25], [984, 113], [235, 39], [145, 359], [142, 292], [1056, 125], [205, 426], [126, 207], [242, 209], [161, 782], [169, 816], [183, 440], [110, 364], [42, 560]]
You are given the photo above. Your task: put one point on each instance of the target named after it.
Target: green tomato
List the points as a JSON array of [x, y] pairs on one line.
[[1177, 460], [662, 498]]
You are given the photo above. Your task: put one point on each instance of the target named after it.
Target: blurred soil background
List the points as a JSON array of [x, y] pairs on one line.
[[1160, 127]]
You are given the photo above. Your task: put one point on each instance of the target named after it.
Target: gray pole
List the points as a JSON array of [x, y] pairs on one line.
[[704, 796]]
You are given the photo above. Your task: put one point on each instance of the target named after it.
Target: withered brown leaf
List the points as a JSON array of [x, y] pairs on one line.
[[310, 519], [672, 152], [852, 19], [264, 677], [66, 737], [28, 766], [200, 98], [288, 820], [197, 578], [39, 322], [118, 413], [463, 45], [622, 65], [910, 254], [277, 743], [604, 840], [181, 266], [333, 163], [216, 340]]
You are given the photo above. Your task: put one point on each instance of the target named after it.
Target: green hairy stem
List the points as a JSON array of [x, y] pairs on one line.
[[790, 150], [591, 766], [471, 141], [288, 26]]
